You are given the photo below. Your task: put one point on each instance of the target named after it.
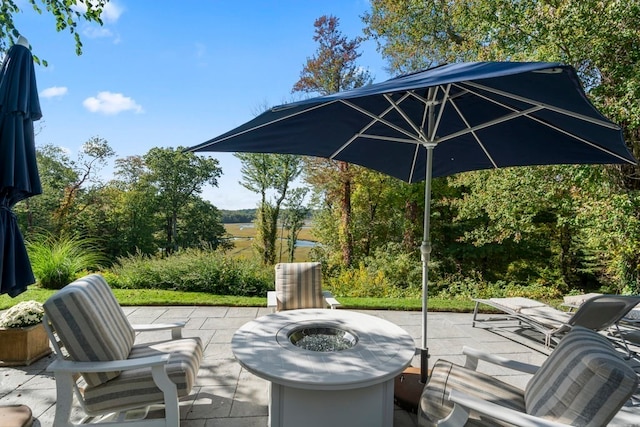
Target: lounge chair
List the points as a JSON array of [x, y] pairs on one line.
[[598, 313], [584, 382], [299, 285], [96, 358]]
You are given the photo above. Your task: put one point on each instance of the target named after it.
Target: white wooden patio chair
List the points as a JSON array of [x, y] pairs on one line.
[[584, 382], [299, 285], [110, 375]]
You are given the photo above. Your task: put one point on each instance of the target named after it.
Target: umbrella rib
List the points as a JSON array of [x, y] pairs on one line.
[[376, 119], [502, 119], [380, 119], [556, 128], [546, 106], [584, 141], [475, 136], [419, 131], [209, 143]]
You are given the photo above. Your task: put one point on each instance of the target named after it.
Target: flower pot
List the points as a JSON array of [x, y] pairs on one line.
[[23, 346]]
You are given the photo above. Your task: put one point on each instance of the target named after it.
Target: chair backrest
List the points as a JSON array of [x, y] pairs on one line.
[[602, 311], [584, 382], [90, 324], [299, 285]]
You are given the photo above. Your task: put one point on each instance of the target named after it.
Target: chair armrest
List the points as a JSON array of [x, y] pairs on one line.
[[107, 366], [498, 412], [474, 355], [331, 301], [272, 299], [176, 328]]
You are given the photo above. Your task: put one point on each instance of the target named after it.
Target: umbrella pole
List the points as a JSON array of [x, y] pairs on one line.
[[425, 251]]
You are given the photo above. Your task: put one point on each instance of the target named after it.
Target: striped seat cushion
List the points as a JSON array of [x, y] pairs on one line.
[[299, 285], [134, 388], [584, 382], [90, 324], [447, 376]]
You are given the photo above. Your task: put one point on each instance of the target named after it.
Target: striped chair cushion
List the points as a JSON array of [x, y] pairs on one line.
[[446, 376], [299, 285], [584, 382], [90, 324], [134, 388]]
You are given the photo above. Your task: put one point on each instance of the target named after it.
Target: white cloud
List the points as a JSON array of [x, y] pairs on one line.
[[111, 12], [54, 91], [111, 103], [97, 32]]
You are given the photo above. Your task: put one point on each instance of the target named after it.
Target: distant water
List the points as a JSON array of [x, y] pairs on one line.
[[299, 243]]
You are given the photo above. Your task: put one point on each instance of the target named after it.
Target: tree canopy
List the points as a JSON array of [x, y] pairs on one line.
[[67, 15]]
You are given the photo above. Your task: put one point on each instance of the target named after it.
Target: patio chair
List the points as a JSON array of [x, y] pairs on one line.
[[598, 313], [299, 285], [98, 360], [584, 382]]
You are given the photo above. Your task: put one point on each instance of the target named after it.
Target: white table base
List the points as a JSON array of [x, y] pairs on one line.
[[367, 407]]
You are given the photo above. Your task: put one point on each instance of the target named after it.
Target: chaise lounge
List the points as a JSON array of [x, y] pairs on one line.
[[598, 313]]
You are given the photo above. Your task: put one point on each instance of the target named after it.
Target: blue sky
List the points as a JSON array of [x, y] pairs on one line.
[[163, 73]]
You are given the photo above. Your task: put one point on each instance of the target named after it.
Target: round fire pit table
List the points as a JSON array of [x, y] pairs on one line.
[[325, 367]]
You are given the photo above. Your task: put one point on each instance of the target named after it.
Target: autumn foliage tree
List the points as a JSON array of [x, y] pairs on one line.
[[333, 69]]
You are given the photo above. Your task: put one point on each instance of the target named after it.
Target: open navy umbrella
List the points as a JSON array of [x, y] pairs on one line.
[[19, 179], [442, 121]]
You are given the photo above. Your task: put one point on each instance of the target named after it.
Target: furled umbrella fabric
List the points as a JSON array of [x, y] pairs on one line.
[[442, 121], [19, 179]]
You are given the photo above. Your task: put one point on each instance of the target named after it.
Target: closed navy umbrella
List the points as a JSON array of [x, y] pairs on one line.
[[19, 179], [439, 122]]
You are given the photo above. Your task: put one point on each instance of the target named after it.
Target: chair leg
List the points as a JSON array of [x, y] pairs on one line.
[[64, 396], [171, 410]]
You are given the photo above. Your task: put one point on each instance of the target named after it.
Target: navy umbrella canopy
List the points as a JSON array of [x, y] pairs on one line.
[[19, 179], [442, 121]]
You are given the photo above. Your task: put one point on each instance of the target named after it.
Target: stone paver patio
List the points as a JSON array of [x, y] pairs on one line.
[[226, 395]]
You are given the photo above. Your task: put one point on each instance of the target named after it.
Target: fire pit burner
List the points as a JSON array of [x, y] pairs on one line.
[[322, 338]]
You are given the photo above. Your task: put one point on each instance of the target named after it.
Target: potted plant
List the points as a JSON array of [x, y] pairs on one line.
[[22, 334]]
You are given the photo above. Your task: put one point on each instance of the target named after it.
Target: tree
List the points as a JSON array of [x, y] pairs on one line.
[[599, 38], [66, 13], [295, 214], [200, 226], [56, 172], [262, 173], [91, 159], [177, 176], [332, 69]]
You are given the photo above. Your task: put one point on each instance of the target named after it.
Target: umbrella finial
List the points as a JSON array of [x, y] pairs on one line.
[[23, 41]]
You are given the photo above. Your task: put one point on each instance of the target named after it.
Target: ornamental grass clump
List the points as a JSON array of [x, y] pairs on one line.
[[22, 315]]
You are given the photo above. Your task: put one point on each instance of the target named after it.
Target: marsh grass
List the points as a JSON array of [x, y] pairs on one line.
[[243, 236]]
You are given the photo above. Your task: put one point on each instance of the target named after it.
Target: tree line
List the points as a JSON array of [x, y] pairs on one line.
[[151, 206], [565, 227], [568, 227]]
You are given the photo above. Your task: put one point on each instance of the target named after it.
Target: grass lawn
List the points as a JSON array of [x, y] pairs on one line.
[[132, 297]]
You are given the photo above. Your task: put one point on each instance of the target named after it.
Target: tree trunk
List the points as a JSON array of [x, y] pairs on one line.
[[345, 206], [411, 217]]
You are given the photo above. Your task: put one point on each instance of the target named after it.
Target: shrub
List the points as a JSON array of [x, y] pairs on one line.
[[57, 262], [194, 270]]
